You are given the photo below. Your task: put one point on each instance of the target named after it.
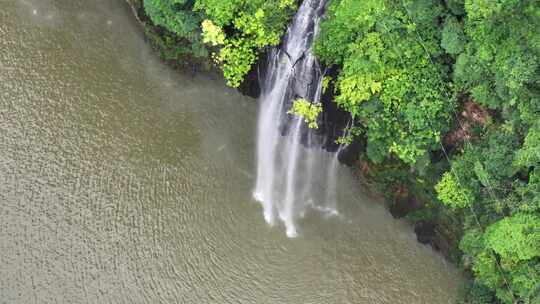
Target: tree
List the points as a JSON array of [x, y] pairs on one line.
[[245, 27], [515, 238], [307, 111], [451, 193], [177, 17], [501, 62], [453, 38], [393, 79]]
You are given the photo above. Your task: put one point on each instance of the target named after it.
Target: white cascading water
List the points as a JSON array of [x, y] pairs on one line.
[[291, 176]]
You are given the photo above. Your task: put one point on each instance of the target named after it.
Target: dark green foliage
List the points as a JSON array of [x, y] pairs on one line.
[[251, 26], [173, 48], [479, 294], [177, 18], [453, 38], [337, 32], [456, 7], [395, 59], [174, 15], [393, 79], [500, 69], [500, 66], [504, 256]]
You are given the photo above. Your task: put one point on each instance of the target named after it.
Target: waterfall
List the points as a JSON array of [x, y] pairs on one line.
[[293, 171]]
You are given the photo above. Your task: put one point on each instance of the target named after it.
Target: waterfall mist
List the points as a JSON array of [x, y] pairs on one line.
[[294, 172]]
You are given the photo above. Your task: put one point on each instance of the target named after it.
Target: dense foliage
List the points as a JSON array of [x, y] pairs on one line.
[[405, 67], [181, 24], [446, 96], [236, 30], [393, 79]]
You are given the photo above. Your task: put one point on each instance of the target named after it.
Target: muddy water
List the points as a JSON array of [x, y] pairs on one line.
[[122, 181]]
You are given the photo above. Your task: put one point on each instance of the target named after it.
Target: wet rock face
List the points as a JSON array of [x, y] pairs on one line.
[[251, 86], [349, 155], [334, 120]]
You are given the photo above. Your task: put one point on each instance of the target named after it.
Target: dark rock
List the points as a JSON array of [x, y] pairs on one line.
[[404, 202], [425, 231], [349, 155], [334, 120], [250, 86]]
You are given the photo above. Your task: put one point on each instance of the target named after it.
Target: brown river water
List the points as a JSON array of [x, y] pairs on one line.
[[122, 181]]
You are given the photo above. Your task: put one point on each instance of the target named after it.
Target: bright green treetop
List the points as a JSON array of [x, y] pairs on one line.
[[392, 80]]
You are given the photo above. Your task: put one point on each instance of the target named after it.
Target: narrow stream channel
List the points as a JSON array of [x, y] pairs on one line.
[[122, 181]]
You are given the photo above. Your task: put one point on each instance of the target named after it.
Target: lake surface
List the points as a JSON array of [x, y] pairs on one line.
[[122, 181]]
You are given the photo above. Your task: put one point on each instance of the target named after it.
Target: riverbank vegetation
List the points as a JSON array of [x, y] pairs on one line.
[[446, 95], [449, 96], [232, 32]]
